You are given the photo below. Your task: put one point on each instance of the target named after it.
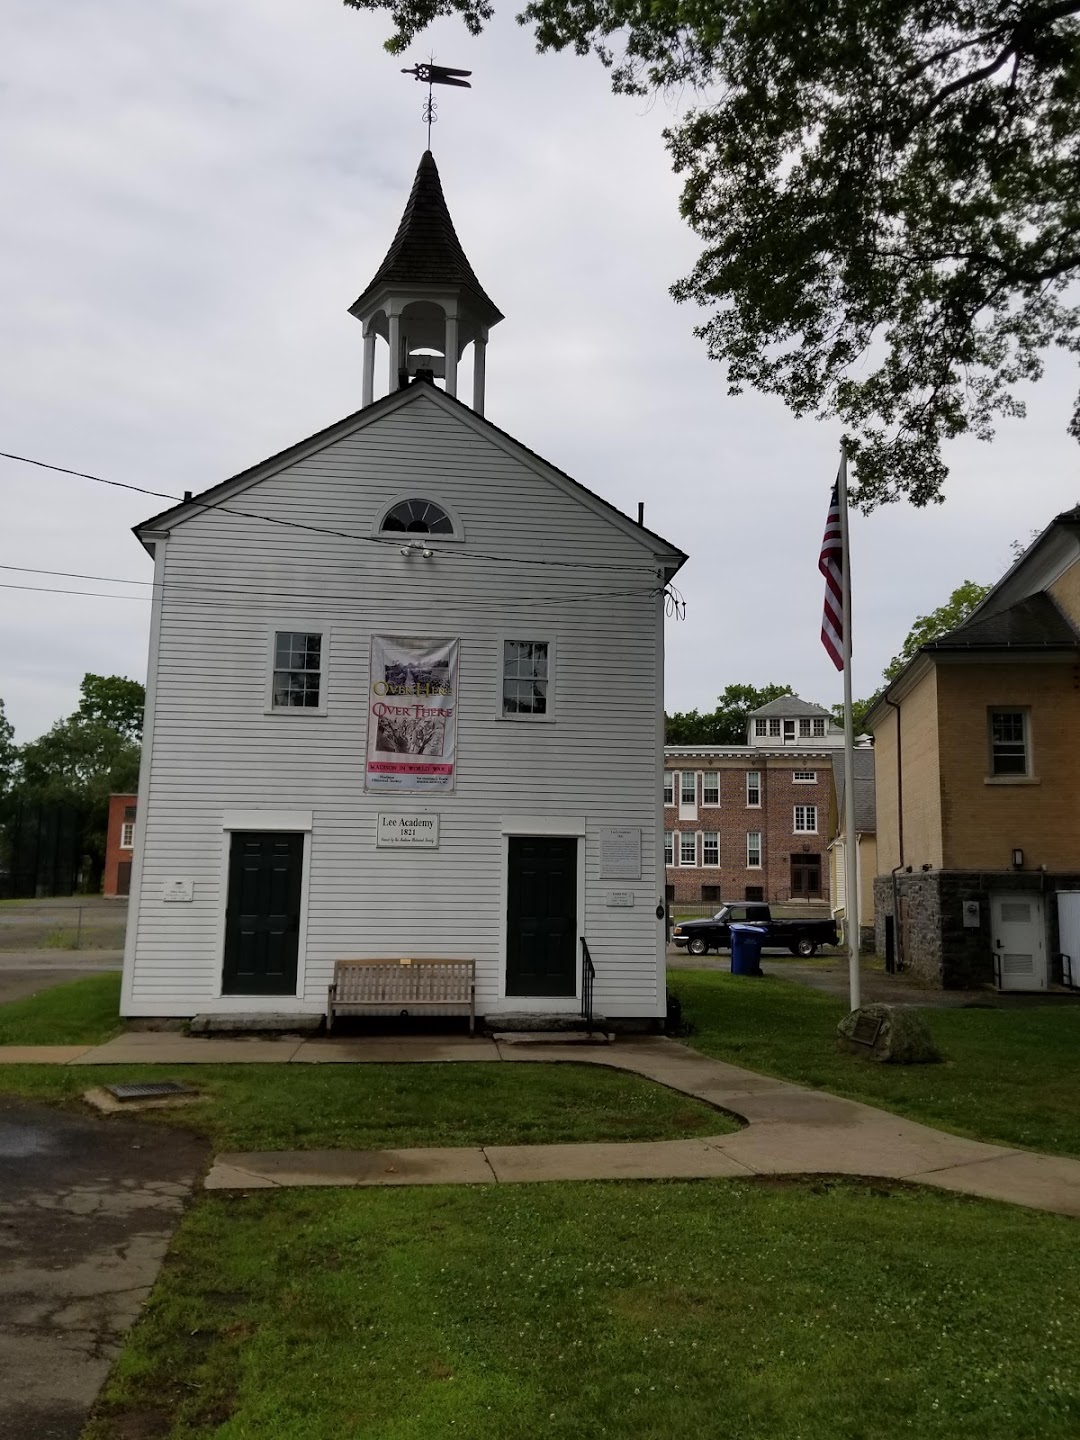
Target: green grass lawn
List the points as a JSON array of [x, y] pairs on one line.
[[360, 1107], [83, 1012], [637, 1312], [1010, 1075]]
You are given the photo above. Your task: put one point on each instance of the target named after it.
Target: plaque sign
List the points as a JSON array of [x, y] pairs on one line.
[[620, 897], [620, 854], [866, 1030], [407, 831]]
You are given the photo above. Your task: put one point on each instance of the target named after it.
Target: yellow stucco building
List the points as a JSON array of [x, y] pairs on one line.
[[977, 766]]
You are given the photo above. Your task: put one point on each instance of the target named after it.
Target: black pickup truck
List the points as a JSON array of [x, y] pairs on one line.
[[801, 937]]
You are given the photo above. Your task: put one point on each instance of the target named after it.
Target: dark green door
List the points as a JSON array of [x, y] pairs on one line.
[[541, 922], [262, 923]]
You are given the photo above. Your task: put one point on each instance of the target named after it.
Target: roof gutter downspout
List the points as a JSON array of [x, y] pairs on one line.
[[898, 931]]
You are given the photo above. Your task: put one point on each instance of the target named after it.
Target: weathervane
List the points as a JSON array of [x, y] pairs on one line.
[[432, 74]]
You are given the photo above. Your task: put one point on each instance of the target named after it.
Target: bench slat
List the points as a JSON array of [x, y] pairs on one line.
[[402, 984]]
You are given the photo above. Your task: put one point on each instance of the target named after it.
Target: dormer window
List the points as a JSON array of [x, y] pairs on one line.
[[417, 517]]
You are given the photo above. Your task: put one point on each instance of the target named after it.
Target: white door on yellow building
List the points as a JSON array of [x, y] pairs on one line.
[[1019, 936]]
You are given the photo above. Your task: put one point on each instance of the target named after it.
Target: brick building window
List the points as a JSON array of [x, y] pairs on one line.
[[819, 727], [669, 848], [710, 848], [761, 727], [710, 788], [127, 835], [804, 777], [753, 789], [688, 849], [669, 787], [688, 788], [1008, 742], [774, 729], [805, 819], [710, 894], [753, 849], [755, 892]]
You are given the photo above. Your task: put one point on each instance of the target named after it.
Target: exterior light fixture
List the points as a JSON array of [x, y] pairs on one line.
[[1018, 859]]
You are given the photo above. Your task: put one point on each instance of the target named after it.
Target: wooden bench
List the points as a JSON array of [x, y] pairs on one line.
[[401, 985]]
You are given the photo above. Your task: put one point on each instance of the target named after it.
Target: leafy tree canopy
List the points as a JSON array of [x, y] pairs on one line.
[[726, 725], [115, 701], [9, 753], [94, 751], [886, 195], [946, 617]]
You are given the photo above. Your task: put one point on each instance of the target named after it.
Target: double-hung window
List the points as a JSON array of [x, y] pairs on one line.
[[753, 789], [806, 819], [688, 849], [688, 788], [526, 677], [1009, 742], [804, 729], [710, 787], [298, 670], [127, 835], [753, 849], [819, 728], [761, 727], [710, 848], [774, 729], [669, 787], [669, 847]]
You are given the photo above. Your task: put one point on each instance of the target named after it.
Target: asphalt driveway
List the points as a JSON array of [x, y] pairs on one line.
[[87, 1209]]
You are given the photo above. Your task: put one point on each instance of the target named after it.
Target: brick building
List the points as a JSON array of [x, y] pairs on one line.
[[751, 822], [119, 845]]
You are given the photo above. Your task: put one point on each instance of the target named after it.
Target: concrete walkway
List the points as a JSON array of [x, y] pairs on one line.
[[791, 1130]]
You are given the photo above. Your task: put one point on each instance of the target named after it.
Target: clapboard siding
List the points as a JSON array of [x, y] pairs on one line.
[[229, 580]]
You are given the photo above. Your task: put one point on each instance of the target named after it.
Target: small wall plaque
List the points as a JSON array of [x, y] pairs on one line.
[[620, 854], [411, 831], [179, 890], [866, 1030], [971, 914], [620, 897]]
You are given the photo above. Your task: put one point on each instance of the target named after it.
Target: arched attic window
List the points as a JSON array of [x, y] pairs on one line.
[[417, 517]]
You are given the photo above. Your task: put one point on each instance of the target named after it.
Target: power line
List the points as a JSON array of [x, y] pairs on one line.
[[385, 541]]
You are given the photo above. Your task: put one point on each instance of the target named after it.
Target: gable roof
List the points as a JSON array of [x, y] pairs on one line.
[[656, 545], [1035, 623], [426, 249], [788, 705], [865, 796]]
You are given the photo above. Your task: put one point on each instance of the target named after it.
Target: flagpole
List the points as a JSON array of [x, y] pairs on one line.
[[851, 855]]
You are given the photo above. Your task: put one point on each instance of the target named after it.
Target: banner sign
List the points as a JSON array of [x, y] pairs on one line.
[[412, 719]]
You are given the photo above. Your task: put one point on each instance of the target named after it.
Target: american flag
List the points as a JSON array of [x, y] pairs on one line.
[[831, 565]]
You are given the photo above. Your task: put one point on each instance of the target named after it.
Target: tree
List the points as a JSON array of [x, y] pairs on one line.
[[946, 617], [86, 757], [9, 754], [886, 195], [726, 725]]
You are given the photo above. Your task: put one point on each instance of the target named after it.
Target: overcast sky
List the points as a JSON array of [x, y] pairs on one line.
[[194, 192]]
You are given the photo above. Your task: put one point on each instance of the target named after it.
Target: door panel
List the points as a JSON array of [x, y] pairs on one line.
[[541, 920], [262, 922], [1019, 941], [123, 878]]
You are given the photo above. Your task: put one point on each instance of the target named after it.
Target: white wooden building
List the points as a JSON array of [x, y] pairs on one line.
[[404, 698]]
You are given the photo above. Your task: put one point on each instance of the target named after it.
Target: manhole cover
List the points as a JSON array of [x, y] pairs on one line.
[[151, 1090]]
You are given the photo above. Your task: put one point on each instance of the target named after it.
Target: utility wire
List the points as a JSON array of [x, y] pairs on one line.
[[385, 541]]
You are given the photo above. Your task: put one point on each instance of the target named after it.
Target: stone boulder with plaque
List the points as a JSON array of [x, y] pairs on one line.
[[889, 1034]]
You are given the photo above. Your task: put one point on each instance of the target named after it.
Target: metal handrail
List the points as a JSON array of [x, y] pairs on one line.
[[588, 980]]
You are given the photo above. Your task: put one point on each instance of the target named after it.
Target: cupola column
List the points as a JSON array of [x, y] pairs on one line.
[[394, 323], [479, 373], [451, 353], [369, 363]]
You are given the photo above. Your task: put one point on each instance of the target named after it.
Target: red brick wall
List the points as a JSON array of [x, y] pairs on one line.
[[733, 818], [115, 856]]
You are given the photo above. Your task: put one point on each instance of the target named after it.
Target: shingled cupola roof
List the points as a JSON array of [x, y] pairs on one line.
[[426, 249], [425, 300]]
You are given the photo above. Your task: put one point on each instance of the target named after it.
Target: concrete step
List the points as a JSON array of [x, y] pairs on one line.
[[537, 1020], [249, 1024], [553, 1037]]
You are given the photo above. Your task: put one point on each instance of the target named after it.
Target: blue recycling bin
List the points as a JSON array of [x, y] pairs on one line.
[[746, 943]]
